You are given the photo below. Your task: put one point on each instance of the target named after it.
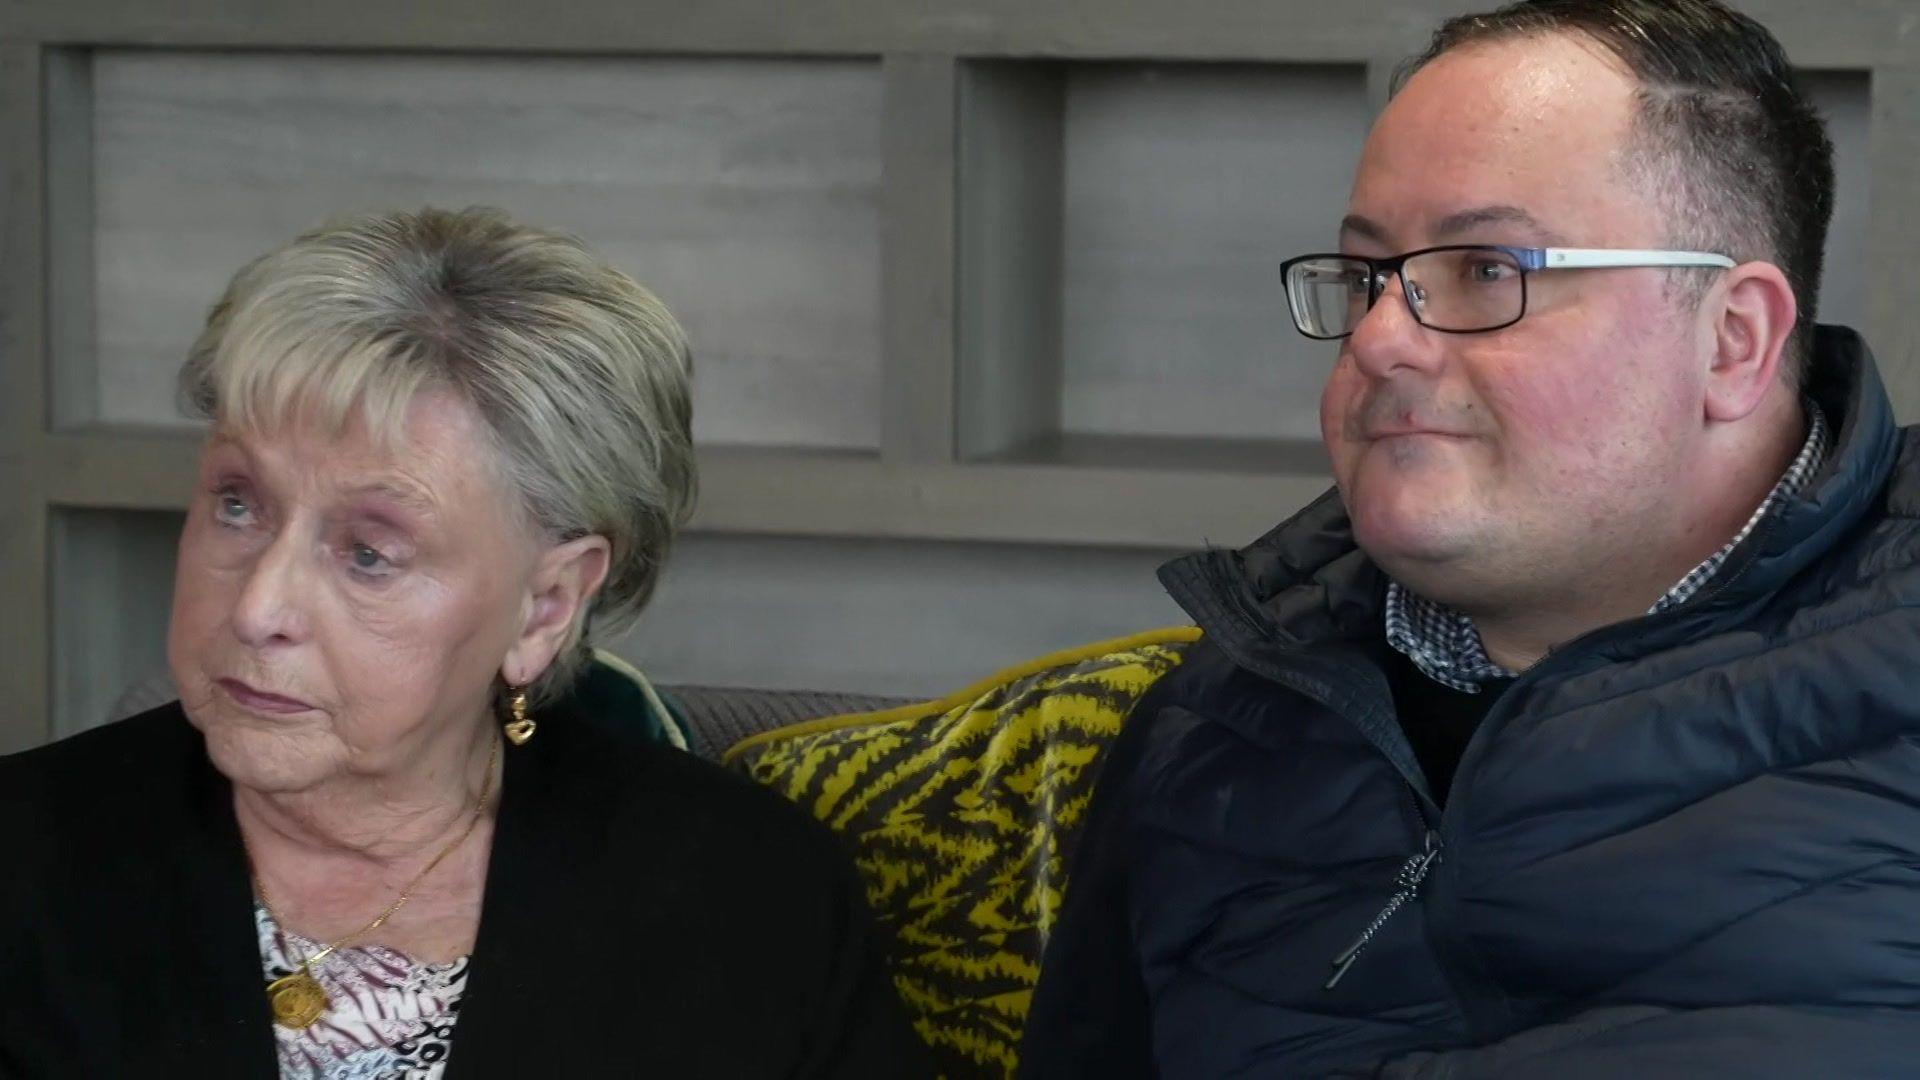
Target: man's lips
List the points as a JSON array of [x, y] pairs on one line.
[[261, 700], [1407, 432]]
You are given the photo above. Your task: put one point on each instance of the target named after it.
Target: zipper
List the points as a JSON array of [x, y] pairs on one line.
[[1412, 874], [1498, 715], [1417, 867]]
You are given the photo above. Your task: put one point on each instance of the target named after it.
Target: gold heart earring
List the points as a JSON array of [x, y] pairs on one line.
[[520, 728]]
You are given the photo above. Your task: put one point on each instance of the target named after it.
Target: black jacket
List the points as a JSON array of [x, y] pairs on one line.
[[646, 914], [1686, 845]]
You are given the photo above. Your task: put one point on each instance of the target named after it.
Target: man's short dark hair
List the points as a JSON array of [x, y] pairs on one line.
[[1734, 153]]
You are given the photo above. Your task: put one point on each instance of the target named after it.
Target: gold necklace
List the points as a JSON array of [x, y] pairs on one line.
[[298, 999]]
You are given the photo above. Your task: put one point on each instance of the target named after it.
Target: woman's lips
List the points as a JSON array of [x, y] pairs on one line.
[[260, 700]]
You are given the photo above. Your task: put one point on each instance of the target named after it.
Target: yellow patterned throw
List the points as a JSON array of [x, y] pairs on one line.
[[962, 813]]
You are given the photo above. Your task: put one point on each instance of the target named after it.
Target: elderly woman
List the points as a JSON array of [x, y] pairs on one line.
[[374, 838]]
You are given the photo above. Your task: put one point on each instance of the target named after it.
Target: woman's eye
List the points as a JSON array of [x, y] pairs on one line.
[[367, 560], [231, 509]]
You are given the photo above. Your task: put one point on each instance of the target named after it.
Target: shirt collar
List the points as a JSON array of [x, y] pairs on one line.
[[1444, 644]]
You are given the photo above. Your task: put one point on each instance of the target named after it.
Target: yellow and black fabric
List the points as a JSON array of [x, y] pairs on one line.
[[962, 813]]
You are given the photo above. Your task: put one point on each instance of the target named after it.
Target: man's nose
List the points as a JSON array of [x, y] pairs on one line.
[[1389, 339], [269, 610]]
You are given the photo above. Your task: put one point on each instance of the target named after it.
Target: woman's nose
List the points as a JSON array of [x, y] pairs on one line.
[[268, 610]]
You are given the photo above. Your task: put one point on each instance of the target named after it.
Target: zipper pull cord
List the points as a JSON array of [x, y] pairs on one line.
[[1408, 887]]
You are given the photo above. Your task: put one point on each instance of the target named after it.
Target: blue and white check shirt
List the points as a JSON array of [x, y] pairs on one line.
[[1443, 642]]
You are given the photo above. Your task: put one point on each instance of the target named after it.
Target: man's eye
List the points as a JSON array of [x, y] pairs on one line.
[[1488, 271]]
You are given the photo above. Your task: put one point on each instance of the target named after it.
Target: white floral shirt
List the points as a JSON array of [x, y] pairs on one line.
[[390, 1017]]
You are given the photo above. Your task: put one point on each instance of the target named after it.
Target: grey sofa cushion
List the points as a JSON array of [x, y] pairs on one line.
[[719, 716]]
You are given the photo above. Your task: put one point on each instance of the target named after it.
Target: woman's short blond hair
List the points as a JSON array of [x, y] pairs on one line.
[[580, 376]]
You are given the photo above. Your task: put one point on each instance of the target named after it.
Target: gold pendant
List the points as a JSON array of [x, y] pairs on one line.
[[297, 1000]]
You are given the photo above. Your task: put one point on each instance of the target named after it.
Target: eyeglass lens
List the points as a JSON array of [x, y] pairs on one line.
[[1460, 290]]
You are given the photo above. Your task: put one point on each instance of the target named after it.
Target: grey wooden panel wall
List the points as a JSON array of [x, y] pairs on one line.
[[112, 586], [1845, 98], [884, 617], [890, 227], [1185, 187], [744, 192]]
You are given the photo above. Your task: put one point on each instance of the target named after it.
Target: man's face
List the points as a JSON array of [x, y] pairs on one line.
[[1476, 465]]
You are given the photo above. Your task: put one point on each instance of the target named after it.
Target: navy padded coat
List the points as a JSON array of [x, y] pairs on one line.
[[1687, 845]]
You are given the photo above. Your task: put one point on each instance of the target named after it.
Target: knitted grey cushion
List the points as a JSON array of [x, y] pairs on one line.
[[719, 716]]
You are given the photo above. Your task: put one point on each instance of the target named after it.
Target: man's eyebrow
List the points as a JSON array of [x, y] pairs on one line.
[[1357, 226], [1466, 221]]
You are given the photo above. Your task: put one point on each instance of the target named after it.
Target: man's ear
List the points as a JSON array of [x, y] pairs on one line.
[[1752, 316], [563, 586]]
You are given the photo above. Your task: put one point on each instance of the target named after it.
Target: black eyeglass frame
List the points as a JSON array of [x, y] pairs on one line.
[[1530, 261]]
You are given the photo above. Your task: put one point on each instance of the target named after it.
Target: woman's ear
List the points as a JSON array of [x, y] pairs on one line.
[[1753, 315], [563, 586]]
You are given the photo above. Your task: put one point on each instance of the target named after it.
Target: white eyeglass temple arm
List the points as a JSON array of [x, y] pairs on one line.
[[1596, 258]]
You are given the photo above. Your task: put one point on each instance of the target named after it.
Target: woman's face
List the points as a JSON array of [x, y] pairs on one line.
[[338, 609]]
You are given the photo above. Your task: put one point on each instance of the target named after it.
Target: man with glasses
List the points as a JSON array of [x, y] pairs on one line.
[[1577, 731]]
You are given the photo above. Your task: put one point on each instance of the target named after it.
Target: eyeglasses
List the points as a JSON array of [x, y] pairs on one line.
[[1457, 289]]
